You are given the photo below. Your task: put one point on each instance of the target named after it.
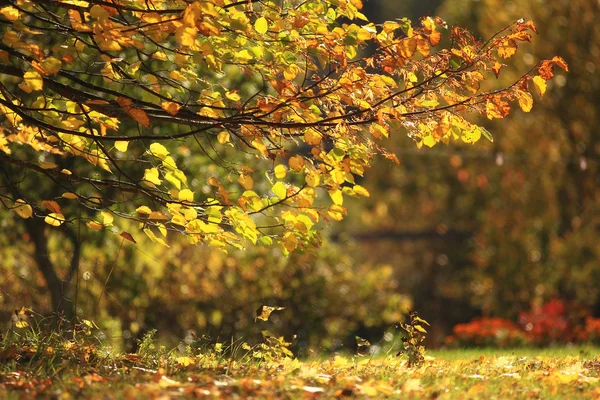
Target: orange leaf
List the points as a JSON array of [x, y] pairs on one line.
[[140, 116], [560, 62], [407, 47], [51, 205], [496, 68], [127, 236], [170, 107], [507, 48], [546, 70], [124, 102], [434, 38]]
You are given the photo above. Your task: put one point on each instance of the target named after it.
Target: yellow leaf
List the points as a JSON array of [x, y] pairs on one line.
[[47, 165], [144, 210], [121, 145], [472, 135], [169, 163], [261, 25], [178, 220], [33, 81], [233, 96], [336, 196], [244, 55], [291, 72], [313, 178], [363, 34], [336, 212], [312, 137], [54, 219], [184, 361], [21, 324], [223, 137], [51, 66], [186, 195], [246, 181], [197, 226], [186, 35], [264, 312], [280, 171], [10, 13], [94, 225], [23, 209], [190, 213], [280, 190], [540, 85], [361, 191], [107, 218], [169, 177], [159, 151], [69, 195], [158, 216], [525, 100], [151, 175]]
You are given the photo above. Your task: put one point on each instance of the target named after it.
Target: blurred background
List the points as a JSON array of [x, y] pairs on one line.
[[456, 232]]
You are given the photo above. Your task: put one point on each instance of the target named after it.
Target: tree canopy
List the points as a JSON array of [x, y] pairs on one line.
[[285, 102]]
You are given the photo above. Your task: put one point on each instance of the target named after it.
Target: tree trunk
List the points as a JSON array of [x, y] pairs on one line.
[[58, 288]]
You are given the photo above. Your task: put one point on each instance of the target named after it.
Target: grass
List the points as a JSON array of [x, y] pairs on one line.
[[582, 351], [52, 367]]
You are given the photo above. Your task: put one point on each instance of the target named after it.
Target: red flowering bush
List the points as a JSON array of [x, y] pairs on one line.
[[549, 323], [487, 332], [591, 331]]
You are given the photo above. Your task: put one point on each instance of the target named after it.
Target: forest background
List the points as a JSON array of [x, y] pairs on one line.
[[454, 232]]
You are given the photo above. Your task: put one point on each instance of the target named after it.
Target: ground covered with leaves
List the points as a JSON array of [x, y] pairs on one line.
[[64, 369]]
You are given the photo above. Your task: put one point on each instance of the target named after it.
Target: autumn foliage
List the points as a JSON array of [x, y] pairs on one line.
[[110, 100], [553, 322]]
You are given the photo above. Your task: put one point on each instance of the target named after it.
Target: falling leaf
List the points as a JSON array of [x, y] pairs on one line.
[[264, 312], [127, 236]]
